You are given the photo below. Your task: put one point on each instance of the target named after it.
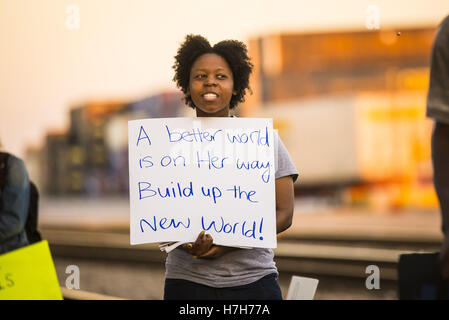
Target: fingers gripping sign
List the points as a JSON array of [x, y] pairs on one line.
[[201, 245]]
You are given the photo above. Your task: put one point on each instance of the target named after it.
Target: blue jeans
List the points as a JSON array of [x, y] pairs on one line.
[[266, 288]]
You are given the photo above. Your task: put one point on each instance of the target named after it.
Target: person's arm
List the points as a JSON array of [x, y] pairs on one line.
[[284, 203], [15, 199], [204, 248], [440, 160]]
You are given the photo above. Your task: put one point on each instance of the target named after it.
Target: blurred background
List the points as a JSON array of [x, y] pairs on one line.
[[345, 83]]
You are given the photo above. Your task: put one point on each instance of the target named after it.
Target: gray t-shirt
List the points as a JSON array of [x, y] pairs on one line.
[[438, 95], [238, 267]]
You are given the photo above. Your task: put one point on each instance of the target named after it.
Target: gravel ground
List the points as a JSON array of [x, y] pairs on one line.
[[141, 281]]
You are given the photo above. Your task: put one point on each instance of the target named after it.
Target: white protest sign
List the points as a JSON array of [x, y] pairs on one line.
[[192, 174]]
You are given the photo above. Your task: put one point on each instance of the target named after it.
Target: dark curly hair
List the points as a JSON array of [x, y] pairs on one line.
[[233, 51]]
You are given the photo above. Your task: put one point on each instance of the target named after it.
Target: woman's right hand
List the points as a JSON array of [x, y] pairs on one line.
[[201, 246]]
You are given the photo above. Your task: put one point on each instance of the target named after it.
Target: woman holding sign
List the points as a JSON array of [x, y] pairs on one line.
[[214, 79]]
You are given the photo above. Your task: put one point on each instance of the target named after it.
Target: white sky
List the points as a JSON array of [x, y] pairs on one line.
[[125, 49]]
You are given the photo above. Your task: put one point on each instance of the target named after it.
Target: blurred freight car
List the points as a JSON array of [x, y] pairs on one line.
[[367, 148], [88, 154], [55, 164]]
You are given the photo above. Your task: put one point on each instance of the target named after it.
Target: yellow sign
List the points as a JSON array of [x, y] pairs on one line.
[[28, 273]]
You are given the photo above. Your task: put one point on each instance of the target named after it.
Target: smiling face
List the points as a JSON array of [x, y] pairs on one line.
[[211, 85]]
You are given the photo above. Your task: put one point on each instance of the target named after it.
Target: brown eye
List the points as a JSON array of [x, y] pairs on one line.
[[221, 76]]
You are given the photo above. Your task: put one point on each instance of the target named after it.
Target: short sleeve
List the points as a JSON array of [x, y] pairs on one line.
[[283, 163]]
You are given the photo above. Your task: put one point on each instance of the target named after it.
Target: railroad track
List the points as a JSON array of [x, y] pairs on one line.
[[332, 255]]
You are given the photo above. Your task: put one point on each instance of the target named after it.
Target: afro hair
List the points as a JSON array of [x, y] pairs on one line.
[[233, 51]]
